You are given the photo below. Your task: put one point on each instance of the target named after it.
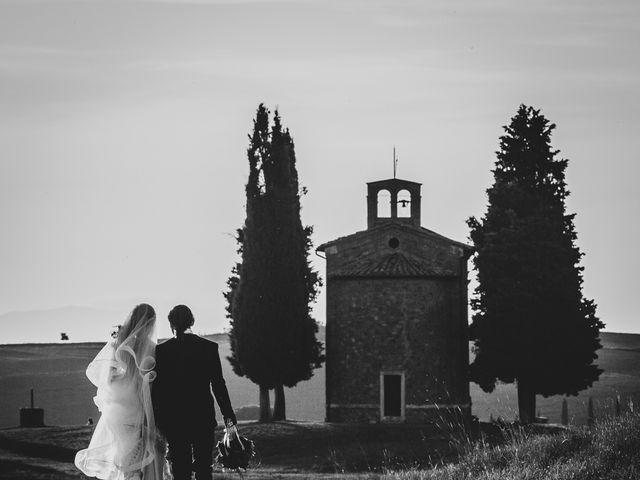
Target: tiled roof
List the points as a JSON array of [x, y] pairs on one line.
[[420, 230], [392, 265]]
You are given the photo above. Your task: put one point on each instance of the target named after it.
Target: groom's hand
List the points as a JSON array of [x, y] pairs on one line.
[[231, 432]]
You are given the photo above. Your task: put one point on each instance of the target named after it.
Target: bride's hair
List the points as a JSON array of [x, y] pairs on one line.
[[137, 335], [180, 318], [141, 316]]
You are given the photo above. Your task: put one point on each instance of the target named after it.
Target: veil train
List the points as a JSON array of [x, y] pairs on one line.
[[125, 443]]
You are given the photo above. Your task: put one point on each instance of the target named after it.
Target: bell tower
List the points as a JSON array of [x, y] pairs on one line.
[[397, 347], [393, 201]]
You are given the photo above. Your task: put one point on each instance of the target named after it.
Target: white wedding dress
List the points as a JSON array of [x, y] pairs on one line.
[[125, 444]]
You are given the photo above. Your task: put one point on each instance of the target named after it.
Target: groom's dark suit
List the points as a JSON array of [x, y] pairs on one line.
[[188, 370]]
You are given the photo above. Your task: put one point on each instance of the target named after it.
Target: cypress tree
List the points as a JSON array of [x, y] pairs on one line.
[[270, 292], [531, 323]]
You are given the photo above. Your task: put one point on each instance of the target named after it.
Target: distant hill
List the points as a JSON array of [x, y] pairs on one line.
[[81, 324], [620, 341], [56, 372]]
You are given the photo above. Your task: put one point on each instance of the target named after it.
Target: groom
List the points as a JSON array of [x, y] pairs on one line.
[[188, 369]]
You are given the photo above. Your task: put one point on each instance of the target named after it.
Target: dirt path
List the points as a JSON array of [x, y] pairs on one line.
[[285, 450], [273, 475], [15, 466], [20, 466]]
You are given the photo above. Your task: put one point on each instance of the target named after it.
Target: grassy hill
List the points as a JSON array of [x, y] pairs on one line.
[[56, 372], [283, 447], [323, 451], [610, 450]]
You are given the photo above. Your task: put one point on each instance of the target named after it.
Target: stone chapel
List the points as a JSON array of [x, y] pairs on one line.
[[396, 327]]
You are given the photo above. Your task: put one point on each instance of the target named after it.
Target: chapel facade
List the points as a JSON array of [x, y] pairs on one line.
[[396, 327]]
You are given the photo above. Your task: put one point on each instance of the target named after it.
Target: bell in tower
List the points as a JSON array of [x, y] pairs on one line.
[[393, 200]]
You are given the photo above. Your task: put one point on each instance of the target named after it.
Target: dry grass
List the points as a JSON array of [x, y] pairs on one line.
[[610, 450], [282, 447]]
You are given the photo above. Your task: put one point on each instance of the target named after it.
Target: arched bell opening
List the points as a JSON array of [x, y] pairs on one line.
[[404, 204], [384, 204]]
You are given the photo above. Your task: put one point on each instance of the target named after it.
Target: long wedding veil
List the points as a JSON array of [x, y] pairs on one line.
[[125, 443]]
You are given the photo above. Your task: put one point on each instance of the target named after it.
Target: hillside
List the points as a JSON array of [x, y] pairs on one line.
[[56, 372], [323, 451], [610, 450]]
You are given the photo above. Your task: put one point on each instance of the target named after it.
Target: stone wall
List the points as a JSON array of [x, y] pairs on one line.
[[444, 416], [414, 325]]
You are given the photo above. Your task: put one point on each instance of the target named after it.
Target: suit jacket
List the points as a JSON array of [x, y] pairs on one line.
[[188, 370]]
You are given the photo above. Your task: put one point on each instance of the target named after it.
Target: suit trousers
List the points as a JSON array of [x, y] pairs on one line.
[[191, 451]]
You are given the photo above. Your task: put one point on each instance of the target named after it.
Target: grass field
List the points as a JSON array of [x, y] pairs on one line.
[[320, 451], [610, 450], [282, 447], [56, 372]]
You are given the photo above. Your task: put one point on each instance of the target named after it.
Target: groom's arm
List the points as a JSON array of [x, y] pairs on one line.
[[219, 387]]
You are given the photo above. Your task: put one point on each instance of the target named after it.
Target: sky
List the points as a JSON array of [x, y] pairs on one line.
[[123, 133]]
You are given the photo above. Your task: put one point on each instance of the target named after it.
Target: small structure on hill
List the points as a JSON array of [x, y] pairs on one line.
[[396, 327], [32, 416]]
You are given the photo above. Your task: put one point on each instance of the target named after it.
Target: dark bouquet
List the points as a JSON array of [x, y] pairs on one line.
[[234, 451]]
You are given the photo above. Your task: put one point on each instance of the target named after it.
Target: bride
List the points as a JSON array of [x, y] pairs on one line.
[[125, 444]]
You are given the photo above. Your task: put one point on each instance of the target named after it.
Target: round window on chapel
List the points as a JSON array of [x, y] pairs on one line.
[[394, 242]]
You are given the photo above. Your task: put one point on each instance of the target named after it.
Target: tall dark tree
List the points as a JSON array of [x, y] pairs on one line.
[[272, 289], [531, 323]]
